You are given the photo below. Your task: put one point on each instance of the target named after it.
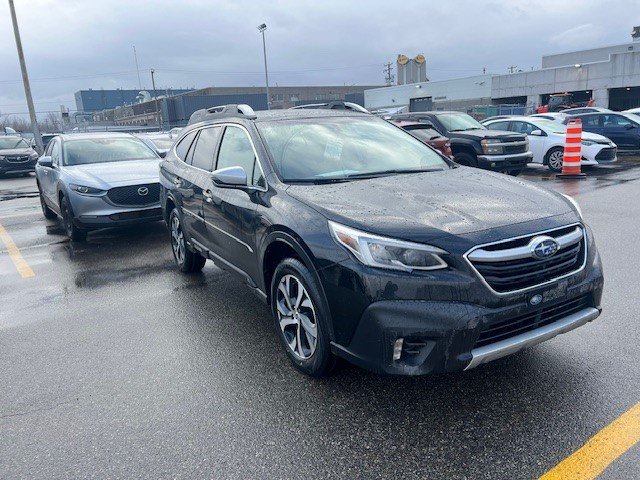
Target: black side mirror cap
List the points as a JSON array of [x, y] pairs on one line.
[[45, 161], [230, 177]]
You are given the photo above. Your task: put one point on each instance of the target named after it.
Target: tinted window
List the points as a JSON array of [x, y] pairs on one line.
[[458, 122], [108, 149], [499, 126], [183, 147], [204, 148], [523, 127], [236, 151], [589, 120], [616, 121]]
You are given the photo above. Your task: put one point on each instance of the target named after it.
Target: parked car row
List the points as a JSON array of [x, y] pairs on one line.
[[547, 139], [366, 243]]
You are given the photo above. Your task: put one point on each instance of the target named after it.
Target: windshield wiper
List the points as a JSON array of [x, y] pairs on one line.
[[316, 181], [392, 172], [464, 129]]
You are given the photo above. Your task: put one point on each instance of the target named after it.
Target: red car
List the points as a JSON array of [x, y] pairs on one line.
[[427, 134]]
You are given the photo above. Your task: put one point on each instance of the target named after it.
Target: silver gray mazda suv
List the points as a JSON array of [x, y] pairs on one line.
[[98, 180]]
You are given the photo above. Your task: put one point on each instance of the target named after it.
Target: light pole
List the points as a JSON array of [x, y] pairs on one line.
[[261, 29], [155, 97], [25, 80]]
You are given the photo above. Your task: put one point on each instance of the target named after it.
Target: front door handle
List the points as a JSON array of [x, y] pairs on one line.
[[208, 196]]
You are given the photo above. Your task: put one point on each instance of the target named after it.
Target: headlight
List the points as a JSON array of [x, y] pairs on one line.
[[86, 190], [587, 143], [575, 205], [490, 149], [390, 253]]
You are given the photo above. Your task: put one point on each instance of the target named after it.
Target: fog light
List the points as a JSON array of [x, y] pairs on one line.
[[493, 165], [397, 349]]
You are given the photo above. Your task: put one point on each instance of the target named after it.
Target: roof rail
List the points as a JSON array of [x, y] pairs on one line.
[[221, 111]]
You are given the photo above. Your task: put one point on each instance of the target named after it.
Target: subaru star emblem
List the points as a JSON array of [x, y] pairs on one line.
[[535, 300], [544, 247], [142, 191]]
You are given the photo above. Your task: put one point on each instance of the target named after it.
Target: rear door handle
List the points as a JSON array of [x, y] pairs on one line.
[[208, 196]]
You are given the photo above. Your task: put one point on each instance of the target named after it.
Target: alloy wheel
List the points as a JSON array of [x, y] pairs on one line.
[[555, 159], [297, 317], [177, 240]]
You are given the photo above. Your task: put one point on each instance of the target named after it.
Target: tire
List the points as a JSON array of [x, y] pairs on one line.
[[74, 233], [187, 261], [553, 159], [466, 159], [299, 315], [46, 211]]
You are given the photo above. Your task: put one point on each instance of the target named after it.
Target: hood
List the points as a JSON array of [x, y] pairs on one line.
[[17, 152], [486, 133], [114, 174], [594, 137], [424, 205]]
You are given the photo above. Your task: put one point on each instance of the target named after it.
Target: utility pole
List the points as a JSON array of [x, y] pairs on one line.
[[261, 29], [25, 80], [135, 56], [155, 97], [388, 78]]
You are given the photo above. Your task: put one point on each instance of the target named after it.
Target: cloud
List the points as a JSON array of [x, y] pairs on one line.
[[78, 44], [577, 37]]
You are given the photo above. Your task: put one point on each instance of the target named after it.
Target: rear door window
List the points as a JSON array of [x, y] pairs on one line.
[[204, 149], [183, 146], [499, 126]]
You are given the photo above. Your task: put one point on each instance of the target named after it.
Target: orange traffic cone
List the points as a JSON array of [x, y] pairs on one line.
[[572, 152]]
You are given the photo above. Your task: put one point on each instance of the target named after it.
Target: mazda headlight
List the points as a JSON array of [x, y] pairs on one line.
[[490, 149], [86, 190], [385, 252], [575, 205]]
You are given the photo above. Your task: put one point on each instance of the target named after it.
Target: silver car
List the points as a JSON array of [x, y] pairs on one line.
[[16, 155], [99, 180]]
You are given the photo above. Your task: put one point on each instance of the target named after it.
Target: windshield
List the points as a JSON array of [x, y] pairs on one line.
[[551, 126], [7, 143], [324, 149], [458, 122], [425, 134], [162, 143], [99, 150]]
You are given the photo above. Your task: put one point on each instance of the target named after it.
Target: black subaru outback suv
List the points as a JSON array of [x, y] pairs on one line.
[[369, 245]]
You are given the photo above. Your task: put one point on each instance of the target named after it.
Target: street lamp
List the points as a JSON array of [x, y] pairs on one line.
[[261, 29]]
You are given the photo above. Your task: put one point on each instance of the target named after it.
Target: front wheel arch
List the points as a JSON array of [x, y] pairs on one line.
[[301, 253]]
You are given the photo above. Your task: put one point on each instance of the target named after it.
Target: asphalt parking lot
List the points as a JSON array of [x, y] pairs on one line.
[[113, 364]]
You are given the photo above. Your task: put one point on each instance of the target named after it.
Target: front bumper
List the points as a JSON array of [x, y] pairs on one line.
[[93, 212], [448, 319], [21, 167], [504, 162]]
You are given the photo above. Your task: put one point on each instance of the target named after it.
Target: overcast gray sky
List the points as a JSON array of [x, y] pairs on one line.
[[79, 44]]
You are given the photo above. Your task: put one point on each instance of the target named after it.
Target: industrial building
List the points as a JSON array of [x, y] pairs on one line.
[[174, 111], [95, 100], [610, 75]]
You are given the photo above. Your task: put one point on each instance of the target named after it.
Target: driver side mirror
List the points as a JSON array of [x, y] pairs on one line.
[[45, 161], [537, 133], [230, 177]]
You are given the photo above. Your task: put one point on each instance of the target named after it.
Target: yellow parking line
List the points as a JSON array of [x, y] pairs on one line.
[[603, 448], [14, 252]]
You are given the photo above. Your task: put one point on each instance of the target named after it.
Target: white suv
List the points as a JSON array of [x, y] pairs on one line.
[[547, 138]]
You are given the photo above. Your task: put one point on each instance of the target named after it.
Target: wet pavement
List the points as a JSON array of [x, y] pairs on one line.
[[113, 364]]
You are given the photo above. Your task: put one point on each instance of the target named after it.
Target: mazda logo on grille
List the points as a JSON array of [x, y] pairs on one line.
[[143, 191], [544, 247]]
